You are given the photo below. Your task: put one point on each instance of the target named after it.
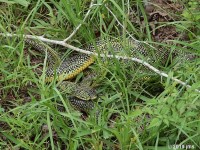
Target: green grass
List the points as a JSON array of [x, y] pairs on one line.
[[29, 118]]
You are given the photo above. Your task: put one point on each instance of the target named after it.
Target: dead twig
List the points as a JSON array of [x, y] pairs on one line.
[[63, 43]]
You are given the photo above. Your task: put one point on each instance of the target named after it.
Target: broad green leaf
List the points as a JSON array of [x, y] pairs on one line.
[[155, 123]]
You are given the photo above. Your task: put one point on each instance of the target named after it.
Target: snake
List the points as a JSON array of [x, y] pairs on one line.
[[82, 94], [65, 69]]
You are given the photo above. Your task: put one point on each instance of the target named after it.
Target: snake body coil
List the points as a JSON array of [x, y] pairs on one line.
[[70, 67]]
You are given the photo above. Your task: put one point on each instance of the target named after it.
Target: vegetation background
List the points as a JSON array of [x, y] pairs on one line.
[[29, 114]]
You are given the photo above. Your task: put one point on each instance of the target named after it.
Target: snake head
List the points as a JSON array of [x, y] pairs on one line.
[[85, 93]]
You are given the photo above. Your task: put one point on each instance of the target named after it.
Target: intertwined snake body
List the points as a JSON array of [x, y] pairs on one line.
[[68, 68]]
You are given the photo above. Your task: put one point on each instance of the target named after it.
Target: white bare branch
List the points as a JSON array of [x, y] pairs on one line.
[[63, 43]]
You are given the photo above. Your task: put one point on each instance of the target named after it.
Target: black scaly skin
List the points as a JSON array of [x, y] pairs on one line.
[[80, 90], [74, 63], [81, 94], [51, 54], [64, 69], [82, 105], [138, 51]]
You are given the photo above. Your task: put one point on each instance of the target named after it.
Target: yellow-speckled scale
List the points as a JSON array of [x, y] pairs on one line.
[[70, 67]]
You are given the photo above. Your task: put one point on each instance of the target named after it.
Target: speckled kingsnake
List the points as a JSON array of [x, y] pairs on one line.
[[68, 68], [82, 95]]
